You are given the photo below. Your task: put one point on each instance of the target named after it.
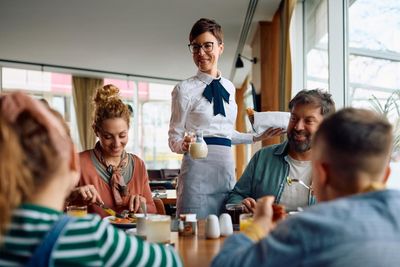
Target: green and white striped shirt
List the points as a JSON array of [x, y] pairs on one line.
[[87, 241]]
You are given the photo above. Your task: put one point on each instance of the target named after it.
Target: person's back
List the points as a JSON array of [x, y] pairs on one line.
[[38, 169], [362, 230], [87, 241]]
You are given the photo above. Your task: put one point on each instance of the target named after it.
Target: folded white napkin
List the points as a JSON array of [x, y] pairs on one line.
[[268, 119]]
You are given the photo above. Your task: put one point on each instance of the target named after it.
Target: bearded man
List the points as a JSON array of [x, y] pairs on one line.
[[284, 170]]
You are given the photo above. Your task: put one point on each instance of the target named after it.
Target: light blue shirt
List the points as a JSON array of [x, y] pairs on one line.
[[362, 230]]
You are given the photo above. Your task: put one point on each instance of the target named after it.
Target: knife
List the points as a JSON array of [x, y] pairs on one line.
[[107, 209]]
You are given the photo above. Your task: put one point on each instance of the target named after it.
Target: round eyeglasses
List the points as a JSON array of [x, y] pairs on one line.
[[195, 48]]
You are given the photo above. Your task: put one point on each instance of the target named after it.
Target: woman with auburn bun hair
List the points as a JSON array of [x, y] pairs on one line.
[[38, 170], [110, 175]]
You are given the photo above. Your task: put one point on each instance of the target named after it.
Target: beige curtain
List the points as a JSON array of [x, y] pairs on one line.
[[275, 68], [83, 90], [240, 150], [285, 81]]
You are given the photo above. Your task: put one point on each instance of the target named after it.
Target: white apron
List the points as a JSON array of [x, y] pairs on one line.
[[204, 184]]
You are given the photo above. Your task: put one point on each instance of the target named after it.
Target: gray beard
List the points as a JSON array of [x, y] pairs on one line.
[[299, 147]]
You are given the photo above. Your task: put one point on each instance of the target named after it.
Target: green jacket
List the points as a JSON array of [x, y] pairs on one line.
[[265, 174]]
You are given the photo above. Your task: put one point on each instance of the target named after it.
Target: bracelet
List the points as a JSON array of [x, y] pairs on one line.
[[255, 232]]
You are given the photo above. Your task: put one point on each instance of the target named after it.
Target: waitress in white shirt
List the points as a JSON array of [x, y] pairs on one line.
[[206, 102]]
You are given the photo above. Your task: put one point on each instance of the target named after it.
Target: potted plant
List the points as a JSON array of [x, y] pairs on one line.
[[391, 110]]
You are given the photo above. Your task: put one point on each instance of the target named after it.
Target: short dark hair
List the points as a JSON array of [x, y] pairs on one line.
[[206, 25], [355, 141], [317, 97]]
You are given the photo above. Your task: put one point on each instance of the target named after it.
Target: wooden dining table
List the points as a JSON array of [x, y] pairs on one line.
[[196, 250]]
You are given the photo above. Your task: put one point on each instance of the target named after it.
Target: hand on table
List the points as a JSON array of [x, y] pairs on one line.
[[249, 205]]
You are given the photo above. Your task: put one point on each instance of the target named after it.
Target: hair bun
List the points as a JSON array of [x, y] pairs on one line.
[[106, 93]]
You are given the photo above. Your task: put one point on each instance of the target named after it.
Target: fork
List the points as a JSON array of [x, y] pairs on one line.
[[291, 180], [109, 210]]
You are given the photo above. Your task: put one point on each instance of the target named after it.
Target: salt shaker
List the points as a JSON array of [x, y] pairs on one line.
[[212, 226], [225, 224]]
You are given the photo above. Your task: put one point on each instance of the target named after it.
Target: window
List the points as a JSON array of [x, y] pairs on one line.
[[151, 104], [155, 110], [374, 60], [55, 88], [374, 50], [361, 55], [316, 44]]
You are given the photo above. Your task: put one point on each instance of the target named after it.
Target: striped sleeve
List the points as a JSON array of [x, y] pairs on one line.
[[93, 242]]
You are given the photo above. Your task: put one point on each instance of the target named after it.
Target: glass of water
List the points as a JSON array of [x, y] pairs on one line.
[[158, 229]]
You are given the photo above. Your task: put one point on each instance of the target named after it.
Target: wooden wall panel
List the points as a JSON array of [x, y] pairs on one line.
[[269, 54], [241, 127]]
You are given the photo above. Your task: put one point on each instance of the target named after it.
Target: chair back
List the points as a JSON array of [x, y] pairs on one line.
[[169, 174], [154, 175], [159, 206]]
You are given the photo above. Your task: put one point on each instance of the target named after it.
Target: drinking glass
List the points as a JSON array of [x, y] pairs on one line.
[[246, 219], [140, 224], [158, 229], [77, 211], [235, 210]]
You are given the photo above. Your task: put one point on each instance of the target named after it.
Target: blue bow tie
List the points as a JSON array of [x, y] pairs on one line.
[[216, 91]]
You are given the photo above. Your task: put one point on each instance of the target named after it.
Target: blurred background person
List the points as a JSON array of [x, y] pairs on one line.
[[109, 174], [38, 169]]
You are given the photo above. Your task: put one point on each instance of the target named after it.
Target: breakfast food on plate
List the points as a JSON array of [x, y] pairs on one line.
[[123, 220]]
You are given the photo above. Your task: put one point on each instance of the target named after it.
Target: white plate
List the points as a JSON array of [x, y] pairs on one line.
[[111, 219]]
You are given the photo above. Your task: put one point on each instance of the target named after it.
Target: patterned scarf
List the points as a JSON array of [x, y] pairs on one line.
[[117, 183]]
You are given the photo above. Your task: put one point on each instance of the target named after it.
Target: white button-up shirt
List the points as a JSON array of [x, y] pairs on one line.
[[190, 110]]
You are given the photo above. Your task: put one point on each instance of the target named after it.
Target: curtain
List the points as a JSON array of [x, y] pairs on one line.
[[285, 81], [275, 70], [240, 150], [83, 91]]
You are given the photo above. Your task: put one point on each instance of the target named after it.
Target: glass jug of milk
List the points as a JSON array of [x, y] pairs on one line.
[[198, 149]]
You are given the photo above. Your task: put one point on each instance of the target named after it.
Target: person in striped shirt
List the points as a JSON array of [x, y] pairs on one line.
[[37, 163]]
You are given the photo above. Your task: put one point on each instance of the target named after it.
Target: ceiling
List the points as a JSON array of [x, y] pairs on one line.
[[140, 38]]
